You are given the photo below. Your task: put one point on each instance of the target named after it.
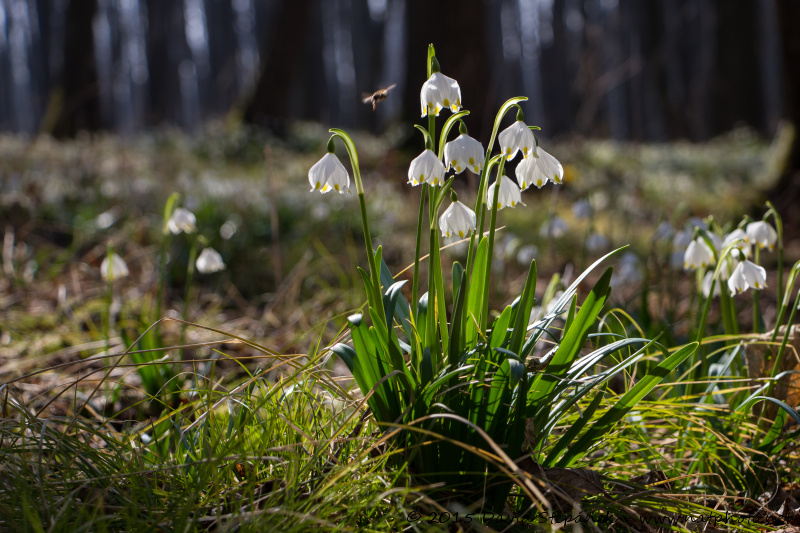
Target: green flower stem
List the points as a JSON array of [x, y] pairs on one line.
[[786, 297], [441, 307], [188, 294], [373, 268], [415, 279], [756, 307], [492, 226], [482, 185], [162, 260], [779, 230]]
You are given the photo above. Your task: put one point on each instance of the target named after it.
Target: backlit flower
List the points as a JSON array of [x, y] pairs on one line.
[[438, 93], [509, 194], [328, 174], [462, 153], [182, 220], [515, 138], [113, 267], [209, 261], [427, 168], [762, 234], [742, 244], [747, 275], [539, 170], [697, 255], [457, 219]]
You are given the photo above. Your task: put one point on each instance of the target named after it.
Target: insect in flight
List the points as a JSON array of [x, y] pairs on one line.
[[377, 96]]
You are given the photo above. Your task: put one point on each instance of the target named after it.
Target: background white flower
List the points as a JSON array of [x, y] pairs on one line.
[[113, 267], [328, 174], [697, 255], [464, 152], [438, 93], [747, 275], [209, 261], [182, 220], [426, 168], [515, 138], [762, 234], [509, 194], [457, 219]]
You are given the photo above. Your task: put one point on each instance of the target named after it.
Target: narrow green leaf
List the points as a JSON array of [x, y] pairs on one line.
[[475, 298], [573, 431], [523, 313], [626, 403]]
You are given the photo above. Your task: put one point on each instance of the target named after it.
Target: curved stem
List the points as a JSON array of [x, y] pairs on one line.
[[492, 226]]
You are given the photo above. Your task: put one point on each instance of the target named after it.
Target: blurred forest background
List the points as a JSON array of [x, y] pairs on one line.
[[621, 69]]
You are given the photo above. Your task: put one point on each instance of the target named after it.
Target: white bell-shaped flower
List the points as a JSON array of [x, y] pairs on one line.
[[457, 219], [747, 275], [209, 261], [697, 255], [439, 92], [464, 153], [742, 244], [762, 234], [182, 220], [328, 174], [113, 267], [549, 167], [427, 168], [516, 137], [509, 194]]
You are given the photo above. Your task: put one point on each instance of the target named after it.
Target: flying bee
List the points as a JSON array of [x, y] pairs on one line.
[[378, 96]]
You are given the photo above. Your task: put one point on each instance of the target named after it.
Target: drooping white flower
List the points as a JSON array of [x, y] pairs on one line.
[[462, 153], [762, 234], [328, 174], [426, 168], [509, 194], [743, 244], [438, 93], [457, 219], [747, 275], [516, 137], [113, 267], [538, 170], [697, 255], [209, 261], [182, 220]]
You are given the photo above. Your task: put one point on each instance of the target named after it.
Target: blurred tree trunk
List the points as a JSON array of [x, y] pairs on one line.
[[166, 48], [75, 102], [786, 193], [268, 104]]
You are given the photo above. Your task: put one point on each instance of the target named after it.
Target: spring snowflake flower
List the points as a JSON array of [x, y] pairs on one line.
[[743, 244], [209, 261], [517, 137], [329, 174], [538, 170], [509, 194], [182, 220], [697, 255], [746, 275], [426, 168], [438, 93], [762, 234], [464, 152], [113, 267], [457, 219]]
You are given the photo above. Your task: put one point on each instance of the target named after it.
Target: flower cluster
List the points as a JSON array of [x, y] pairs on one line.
[[741, 273]]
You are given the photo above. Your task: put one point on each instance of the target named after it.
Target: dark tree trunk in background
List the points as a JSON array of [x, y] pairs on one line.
[[281, 63], [462, 54], [166, 48], [786, 194], [79, 87]]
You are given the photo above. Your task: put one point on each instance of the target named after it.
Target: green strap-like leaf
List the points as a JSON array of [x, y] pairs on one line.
[[626, 403]]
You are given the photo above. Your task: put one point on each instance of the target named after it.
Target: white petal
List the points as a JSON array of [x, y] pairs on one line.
[[509, 194], [516, 137], [209, 261], [113, 267], [328, 174], [426, 168]]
